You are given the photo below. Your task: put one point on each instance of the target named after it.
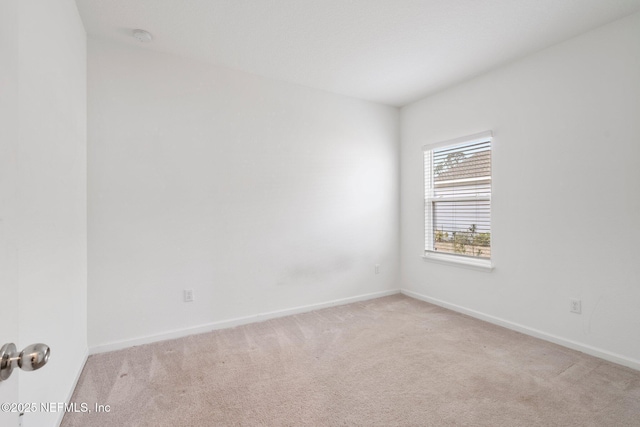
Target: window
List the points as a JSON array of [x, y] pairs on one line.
[[457, 208]]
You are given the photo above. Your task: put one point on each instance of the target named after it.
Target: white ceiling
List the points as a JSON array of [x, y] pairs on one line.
[[388, 51]]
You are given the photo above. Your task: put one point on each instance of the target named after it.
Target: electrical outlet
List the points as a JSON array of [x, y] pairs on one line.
[[188, 295], [377, 269], [575, 306]]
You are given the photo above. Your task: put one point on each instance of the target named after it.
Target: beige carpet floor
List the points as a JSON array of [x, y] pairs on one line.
[[393, 361]]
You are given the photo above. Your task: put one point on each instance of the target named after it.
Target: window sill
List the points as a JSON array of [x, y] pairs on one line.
[[459, 261]]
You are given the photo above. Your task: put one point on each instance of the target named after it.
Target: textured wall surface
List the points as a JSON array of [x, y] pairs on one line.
[[566, 200], [258, 195]]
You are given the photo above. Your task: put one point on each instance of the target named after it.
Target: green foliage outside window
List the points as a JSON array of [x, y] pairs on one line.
[[464, 241]]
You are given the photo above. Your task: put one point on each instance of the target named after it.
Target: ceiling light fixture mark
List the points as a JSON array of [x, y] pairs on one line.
[[142, 35]]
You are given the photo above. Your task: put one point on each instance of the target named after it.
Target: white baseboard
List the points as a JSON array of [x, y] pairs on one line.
[[574, 345], [75, 383], [229, 323]]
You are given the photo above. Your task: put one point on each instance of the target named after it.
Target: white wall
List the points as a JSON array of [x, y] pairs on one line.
[[258, 195], [51, 191], [566, 192]]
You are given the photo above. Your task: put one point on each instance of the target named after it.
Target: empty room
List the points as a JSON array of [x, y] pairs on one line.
[[319, 213]]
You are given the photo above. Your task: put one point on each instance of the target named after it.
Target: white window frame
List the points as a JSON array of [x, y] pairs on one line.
[[429, 253]]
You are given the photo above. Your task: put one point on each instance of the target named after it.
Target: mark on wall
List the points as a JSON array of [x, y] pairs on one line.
[[318, 271]]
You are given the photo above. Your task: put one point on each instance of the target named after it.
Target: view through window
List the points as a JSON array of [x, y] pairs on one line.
[[458, 197]]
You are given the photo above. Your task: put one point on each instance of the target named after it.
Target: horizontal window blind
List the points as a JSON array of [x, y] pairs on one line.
[[458, 198]]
